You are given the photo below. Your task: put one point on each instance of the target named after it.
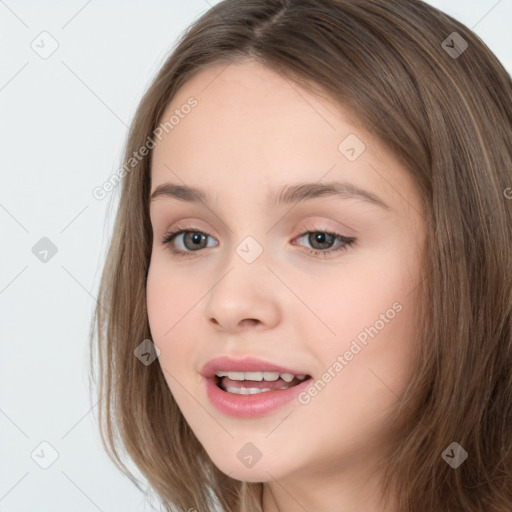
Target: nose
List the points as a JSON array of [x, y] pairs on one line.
[[247, 296]]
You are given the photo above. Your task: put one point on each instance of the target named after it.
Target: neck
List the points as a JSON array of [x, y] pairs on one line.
[[348, 491]]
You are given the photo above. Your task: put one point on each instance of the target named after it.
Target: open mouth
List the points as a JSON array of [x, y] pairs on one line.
[[251, 383]]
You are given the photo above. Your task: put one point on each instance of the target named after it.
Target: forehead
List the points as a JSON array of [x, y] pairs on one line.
[[247, 103], [253, 130]]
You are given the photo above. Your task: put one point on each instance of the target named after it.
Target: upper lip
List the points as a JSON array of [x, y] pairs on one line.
[[247, 364]]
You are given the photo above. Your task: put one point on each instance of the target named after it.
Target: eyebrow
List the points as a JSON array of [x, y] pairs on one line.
[[289, 194]]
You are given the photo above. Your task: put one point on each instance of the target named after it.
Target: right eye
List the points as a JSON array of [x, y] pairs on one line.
[[192, 241]]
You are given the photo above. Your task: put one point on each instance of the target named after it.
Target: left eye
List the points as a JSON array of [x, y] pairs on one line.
[[321, 239], [193, 241]]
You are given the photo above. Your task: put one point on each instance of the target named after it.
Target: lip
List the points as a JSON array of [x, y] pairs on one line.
[[249, 406], [248, 364]]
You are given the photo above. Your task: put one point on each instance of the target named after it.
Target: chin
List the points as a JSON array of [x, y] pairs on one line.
[[263, 470], [252, 475]]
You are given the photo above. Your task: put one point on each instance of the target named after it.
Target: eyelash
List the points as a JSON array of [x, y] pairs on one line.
[[168, 238]]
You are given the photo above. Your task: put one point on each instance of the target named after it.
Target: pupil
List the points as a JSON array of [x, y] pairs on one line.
[[196, 238], [320, 238]]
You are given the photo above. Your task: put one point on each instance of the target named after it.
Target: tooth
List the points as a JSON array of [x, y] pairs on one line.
[[235, 375], [254, 391], [246, 391], [258, 376]]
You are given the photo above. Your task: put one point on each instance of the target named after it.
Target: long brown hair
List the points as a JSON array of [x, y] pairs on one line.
[[445, 110]]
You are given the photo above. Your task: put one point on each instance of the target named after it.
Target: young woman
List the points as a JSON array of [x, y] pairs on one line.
[[307, 301]]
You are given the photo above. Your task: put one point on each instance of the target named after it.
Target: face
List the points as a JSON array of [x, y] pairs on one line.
[[326, 286]]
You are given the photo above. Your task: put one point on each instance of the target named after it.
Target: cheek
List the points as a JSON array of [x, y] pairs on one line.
[[170, 298], [376, 328], [376, 360], [170, 307], [376, 293], [376, 321]]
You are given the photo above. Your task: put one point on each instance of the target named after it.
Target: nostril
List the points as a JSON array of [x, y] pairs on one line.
[[250, 321]]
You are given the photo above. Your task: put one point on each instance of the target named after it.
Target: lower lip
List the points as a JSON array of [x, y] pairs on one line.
[[251, 406]]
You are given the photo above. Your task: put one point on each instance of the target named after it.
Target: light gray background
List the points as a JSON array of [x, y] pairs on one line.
[[63, 124]]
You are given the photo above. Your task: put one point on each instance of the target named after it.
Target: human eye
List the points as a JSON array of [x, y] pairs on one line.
[[192, 241], [324, 237]]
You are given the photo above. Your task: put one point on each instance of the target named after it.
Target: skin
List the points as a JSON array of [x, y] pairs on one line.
[[251, 133]]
